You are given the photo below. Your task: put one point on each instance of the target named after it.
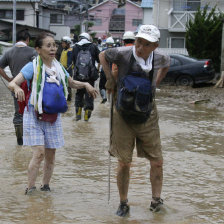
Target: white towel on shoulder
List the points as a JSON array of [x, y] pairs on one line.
[[145, 65]]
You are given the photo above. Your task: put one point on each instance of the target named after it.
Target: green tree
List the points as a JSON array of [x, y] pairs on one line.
[[204, 35], [32, 43], [88, 24], [77, 30]]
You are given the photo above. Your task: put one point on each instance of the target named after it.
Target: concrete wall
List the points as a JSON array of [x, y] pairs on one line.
[[147, 16], [44, 19], [60, 31], [5, 46], [71, 20], [160, 13]]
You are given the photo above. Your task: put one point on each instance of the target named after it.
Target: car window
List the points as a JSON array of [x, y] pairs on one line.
[[174, 62], [190, 58]]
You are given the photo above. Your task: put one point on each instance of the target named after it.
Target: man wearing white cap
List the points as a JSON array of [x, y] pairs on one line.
[[135, 120]]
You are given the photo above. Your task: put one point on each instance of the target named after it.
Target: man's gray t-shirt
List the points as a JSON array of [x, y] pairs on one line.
[[16, 58], [122, 55]]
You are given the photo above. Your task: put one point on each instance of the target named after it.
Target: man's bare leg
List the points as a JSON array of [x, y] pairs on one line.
[[156, 178], [123, 179], [123, 184]]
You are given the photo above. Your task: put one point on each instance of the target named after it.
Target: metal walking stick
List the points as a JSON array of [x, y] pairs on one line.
[[109, 160]]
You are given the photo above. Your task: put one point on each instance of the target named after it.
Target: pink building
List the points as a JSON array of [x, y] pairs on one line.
[[109, 19]]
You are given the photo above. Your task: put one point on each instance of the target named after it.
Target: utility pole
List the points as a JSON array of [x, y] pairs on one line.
[[81, 17], [87, 16], [83, 20], [222, 49], [220, 82], [37, 14], [14, 23]]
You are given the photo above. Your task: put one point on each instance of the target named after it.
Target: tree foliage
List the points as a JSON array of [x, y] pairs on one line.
[[77, 30], [88, 24], [204, 35]]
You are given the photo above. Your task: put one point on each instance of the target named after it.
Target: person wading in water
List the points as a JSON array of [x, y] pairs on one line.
[[42, 128], [135, 119]]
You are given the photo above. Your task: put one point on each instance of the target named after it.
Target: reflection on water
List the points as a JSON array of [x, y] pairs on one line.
[[192, 138]]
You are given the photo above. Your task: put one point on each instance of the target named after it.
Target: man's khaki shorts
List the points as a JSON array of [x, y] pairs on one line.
[[146, 136]]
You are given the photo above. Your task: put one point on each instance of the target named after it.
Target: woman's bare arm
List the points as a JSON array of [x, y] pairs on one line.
[[14, 86], [80, 85]]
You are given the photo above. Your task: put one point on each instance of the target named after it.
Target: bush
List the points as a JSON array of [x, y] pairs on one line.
[[204, 35]]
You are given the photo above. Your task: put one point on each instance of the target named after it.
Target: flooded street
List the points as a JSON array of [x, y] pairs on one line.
[[192, 138]]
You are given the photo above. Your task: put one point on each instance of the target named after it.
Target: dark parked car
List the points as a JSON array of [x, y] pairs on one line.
[[187, 71]]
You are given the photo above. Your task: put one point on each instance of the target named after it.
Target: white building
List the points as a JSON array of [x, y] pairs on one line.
[[33, 13], [171, 16]]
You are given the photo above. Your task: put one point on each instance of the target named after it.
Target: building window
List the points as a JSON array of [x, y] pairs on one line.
[[136, 22], [186, 5], [177, 42], [97, 22], [56, 18], [91, 17], [8, 14], [20, 14], [117, 23]]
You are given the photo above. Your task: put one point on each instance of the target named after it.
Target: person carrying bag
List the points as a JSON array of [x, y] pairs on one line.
[[47, 83], [135, 117]]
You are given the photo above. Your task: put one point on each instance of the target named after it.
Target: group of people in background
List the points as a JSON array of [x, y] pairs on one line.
[[66, 54], [128, 40], [130, 72], [68, 58]]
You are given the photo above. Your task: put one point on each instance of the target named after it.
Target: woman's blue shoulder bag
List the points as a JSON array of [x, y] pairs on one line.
[[54, 100]]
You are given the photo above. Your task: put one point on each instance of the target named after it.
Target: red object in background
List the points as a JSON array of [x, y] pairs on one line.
[[27, 91]]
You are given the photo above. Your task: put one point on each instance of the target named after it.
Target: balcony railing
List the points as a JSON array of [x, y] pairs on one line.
[[174, 50], [178, 20], [117, 23]]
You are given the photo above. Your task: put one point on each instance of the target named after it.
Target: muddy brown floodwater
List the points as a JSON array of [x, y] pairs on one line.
[[192, 137], [211, 97]]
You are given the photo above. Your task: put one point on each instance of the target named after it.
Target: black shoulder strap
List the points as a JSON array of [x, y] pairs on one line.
[[88, 48]]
